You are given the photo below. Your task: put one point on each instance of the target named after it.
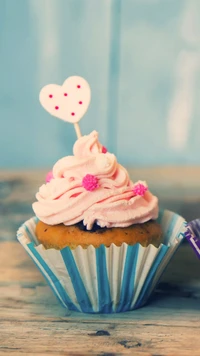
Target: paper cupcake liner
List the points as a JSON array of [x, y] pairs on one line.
[[105, 279]]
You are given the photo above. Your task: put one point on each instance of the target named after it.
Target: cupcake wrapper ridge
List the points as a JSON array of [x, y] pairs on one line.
[[105, 279]]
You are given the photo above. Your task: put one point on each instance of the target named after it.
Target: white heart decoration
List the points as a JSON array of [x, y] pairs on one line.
[[68, 102]]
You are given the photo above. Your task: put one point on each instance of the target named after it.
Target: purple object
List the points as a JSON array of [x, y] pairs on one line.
[[193, 235]]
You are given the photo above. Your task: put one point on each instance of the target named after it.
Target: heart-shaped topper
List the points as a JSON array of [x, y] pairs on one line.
[[68, 102]]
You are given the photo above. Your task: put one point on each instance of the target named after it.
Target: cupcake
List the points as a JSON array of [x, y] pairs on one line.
[[91, 200], [99, 238]]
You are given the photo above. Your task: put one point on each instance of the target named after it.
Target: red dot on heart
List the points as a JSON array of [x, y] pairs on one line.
[[80, 102], [56, 107], [73, 113], [65, 94], [78, 86], [50, 96]]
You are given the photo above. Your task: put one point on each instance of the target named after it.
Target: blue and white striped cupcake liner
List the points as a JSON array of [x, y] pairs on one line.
[[105, 279]]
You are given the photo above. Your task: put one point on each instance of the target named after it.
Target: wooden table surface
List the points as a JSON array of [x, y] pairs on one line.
[[31, 320]]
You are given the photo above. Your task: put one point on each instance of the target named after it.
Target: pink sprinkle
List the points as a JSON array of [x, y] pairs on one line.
[[90, 182], [49, 176], [139, 189], [80, 102], [56, 107], [65, 94], [73, 113], [78, 86], [50, 96], [104, 149]]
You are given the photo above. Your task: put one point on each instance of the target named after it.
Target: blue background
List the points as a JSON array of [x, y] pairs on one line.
[[141, 58]]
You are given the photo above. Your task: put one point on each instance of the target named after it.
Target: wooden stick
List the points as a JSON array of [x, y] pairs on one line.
[[77, 129]]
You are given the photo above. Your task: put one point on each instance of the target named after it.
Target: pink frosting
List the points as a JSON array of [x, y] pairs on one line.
[[112, 204]]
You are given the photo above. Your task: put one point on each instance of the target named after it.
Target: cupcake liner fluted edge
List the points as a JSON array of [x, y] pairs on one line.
[[105, 279]]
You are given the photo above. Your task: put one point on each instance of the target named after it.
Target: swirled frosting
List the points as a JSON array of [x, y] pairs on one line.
[[112, 203]]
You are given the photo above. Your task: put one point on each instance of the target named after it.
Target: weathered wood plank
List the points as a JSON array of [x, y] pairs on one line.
[[84, 338]]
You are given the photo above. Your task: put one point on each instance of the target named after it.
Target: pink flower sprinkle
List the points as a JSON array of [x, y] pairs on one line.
[[49, 176], [104, 149], [139, 189], [90, 182]]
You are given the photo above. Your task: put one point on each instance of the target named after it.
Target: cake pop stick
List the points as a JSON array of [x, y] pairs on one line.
[[68, 102]]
